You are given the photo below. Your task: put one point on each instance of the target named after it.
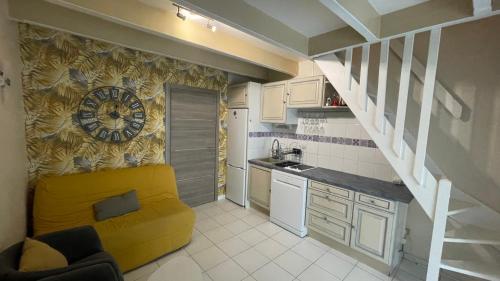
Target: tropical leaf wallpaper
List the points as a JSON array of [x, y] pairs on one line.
[[61, 68]]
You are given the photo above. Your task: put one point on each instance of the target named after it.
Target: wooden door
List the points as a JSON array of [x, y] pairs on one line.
[[237, 96], [274, 102], [260, 186], [193, 143], [372, 232], [305, 92]]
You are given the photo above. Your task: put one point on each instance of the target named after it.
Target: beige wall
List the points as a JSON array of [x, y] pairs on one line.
[[13, 177]]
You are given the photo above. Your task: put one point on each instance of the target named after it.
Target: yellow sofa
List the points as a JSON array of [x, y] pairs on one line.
[[162, 225]]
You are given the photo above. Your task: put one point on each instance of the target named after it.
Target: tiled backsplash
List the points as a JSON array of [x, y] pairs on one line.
[[332, 140]]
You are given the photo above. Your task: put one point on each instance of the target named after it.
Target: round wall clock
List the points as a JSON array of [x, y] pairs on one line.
[[111, 114]]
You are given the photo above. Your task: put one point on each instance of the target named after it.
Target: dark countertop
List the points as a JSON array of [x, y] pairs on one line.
[[366, 185]]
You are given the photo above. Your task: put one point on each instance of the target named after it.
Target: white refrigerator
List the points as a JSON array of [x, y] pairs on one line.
[[237, 156]]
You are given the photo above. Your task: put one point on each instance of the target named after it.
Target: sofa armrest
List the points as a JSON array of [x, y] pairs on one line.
[[75, 244], [101, 272]]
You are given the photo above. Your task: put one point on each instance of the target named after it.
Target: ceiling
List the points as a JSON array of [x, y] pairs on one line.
[[308, 17], [277, 34], [168, 6], [388, 6]]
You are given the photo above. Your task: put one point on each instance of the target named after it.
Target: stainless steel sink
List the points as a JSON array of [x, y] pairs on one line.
[[291, 165], [285, 164], [271, 160]]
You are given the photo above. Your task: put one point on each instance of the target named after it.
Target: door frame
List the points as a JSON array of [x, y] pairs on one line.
[[168, 128]]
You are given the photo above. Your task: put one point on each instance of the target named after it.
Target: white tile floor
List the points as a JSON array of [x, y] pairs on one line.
[[231, 243]]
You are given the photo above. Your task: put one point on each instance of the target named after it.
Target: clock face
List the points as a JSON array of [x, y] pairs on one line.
[[112, 114]]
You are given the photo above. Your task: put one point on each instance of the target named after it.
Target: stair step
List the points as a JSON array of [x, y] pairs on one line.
[[472, 234], [480, 269], [457, 207]]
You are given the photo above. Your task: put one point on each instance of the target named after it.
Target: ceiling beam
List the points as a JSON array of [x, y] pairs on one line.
[[56, 17], [251, 20], [482, 7], [359, 14], [137, 15], [334, 40]]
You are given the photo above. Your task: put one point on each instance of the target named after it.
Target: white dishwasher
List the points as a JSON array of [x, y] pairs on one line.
[[288, 202]]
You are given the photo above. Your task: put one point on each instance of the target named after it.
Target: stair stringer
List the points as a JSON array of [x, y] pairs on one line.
[[424, 193]]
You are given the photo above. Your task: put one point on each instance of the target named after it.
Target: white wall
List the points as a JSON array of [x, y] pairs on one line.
[[13, 175]]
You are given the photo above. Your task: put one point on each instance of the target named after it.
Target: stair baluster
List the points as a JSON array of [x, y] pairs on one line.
[[363, 83], [382, 86], [348, 68], [426, 108], [404, 85], [438, 230]]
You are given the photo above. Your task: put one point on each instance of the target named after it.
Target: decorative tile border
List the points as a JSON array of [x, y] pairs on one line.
[[314, 138]]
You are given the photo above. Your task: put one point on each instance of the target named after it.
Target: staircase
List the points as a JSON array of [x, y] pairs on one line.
[[455, 246]]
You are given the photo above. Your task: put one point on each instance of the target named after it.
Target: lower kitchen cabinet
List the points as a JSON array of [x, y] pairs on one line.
[[259, 182], [371, 225], [328, 226], [372, 232]]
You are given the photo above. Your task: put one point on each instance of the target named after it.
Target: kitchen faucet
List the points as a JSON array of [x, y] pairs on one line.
[[276, 153]]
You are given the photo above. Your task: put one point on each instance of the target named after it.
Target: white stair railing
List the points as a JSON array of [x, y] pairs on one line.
[[432, 194]]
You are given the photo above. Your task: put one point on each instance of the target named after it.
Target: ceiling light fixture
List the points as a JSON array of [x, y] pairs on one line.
[[184, 14], [180, 15]]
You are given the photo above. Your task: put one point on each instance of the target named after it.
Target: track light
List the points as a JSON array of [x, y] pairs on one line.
[[179, 14], [184, 14]]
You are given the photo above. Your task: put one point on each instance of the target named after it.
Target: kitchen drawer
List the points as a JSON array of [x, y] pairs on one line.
[[331, 205], [383, 204], [338, 191], [328, 226]]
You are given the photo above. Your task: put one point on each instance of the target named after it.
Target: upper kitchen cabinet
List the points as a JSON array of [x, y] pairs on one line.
[[237, 96], [273, 106], [306, 92]]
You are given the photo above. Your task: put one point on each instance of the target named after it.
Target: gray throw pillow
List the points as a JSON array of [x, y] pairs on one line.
[[116, 206]]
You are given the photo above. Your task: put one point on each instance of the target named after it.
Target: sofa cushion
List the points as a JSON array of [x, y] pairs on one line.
[[116, 206], [157, 228], [38, 256]]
